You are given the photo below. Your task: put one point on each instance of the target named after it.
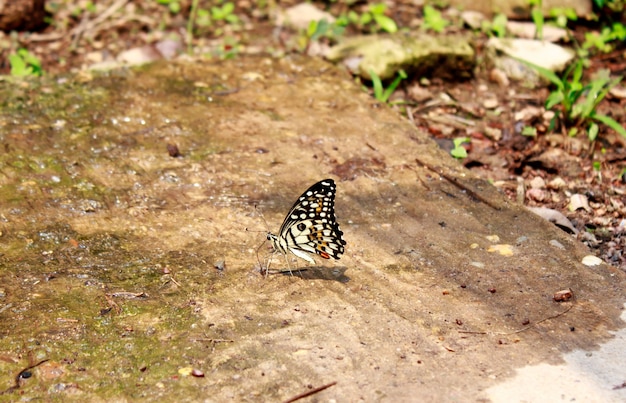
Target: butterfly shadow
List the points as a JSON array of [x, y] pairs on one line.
[[319, 273]]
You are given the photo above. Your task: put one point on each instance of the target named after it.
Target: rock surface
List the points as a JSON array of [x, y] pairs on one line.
[[418, 53]]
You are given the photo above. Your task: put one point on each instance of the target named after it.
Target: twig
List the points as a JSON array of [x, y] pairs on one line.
[[409, 115], [214, 341], [128, 295], [4, 308], [522, 329], [459, 185], [310, 392], [85, 25]]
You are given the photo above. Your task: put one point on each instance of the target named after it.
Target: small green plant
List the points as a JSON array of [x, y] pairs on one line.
[[382, 94], [601, 40], [575, 102], [562, 15], [497, 27], [80, 8], [434, 20], [321, 29], [529, 131], [459, 151], [615, 6], [225, 12], [536, 14], [374, 18], [23, 63], [172, 5], [324, 29], [214, 19], [597, 167]]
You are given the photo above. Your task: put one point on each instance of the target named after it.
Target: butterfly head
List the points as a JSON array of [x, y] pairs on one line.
[[277, 243]]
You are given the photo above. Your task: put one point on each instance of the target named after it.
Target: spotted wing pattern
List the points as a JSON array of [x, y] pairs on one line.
[[310, 226]]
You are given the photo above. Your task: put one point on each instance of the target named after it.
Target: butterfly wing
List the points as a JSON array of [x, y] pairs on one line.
[[310, 225]]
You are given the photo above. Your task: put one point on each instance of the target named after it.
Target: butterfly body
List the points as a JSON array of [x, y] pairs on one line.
[[310, 227]]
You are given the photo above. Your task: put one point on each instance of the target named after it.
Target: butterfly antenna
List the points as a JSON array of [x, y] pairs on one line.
[[258, 211]]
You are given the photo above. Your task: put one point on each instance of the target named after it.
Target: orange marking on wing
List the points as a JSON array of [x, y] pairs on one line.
[[324, 255]]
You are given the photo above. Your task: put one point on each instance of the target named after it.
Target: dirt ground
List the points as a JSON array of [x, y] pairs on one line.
[[130, 271]]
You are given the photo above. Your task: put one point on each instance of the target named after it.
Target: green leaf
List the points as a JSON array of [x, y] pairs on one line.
[[553, 99], [392, 87], [459, 152], [321, 28], [365, 19], [18, 66], [554, 121], [338, 30], [311, 30], [378, 86], [174, 7], [24, 63], [460, 140], [386, 23], [433, 19], [216, 13], [529, 131], [578, 72], [549, 75], [537, 16], [592, 132], [228, 8], [499, 25], [353, 17], [342, 20], [610, 123], [204, 18], [597, 165], [30, 59], [378, 9]]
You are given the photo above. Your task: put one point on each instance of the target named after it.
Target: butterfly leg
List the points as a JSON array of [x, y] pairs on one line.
[[288, 266], [267, 271], [280, 271]]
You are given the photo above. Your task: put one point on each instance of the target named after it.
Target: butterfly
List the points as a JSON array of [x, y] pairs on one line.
[[310, 226]]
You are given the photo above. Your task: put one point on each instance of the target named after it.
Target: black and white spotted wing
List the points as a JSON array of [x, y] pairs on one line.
[[310, 226]]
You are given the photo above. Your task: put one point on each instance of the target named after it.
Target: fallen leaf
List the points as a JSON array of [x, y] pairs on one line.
[[578, 201], [554, 217]]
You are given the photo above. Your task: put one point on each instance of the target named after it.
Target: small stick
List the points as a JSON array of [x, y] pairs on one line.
[[310, 392], [216, 340], [522, 329], [459, 185]]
